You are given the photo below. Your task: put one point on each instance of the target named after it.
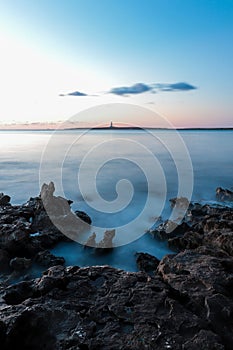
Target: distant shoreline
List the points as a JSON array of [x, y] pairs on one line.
[[115, 128]]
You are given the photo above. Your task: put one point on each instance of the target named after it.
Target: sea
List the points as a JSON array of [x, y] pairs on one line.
[[123, 179]]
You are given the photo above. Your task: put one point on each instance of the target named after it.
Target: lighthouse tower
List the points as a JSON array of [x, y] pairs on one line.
[[111, 126]]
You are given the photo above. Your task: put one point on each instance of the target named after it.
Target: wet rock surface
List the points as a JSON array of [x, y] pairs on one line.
[[184, 301]]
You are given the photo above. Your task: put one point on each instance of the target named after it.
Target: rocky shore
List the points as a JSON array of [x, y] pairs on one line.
[[184, 301]]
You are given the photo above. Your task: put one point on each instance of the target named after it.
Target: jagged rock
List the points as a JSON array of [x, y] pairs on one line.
[[26, 230], [91, 242], [106, 242], [224, 194], [55, 206], [170, 229], [20, 264], [190, 240], [146, 262], [46, 259]]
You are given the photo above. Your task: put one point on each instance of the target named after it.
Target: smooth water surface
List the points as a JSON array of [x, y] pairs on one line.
[[142, 159]]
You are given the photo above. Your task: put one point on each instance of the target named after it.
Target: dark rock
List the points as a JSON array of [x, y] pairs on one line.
[[17, 293], [197, 274], [224, 194], [190, 240], [146, 262], [14, 238], [46, 259], [170, 229], [4, 260], [4, 199], [83, 216], [204, 340], [104, 308], [20, 264]]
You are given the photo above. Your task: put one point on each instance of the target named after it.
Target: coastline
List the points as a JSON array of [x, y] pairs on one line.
[[183, 301], [113, 128]]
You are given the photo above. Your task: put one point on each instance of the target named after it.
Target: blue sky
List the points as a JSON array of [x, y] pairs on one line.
[[93, 47]]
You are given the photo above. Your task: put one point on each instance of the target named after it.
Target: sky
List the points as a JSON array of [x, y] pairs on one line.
[[60, 58]]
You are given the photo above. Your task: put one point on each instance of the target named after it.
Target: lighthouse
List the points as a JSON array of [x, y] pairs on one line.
[[111, 126]]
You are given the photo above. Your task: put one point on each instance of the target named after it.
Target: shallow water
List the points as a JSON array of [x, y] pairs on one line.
[[154, 165]]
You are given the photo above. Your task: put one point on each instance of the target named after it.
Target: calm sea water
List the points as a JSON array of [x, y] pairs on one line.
[[122, 179]]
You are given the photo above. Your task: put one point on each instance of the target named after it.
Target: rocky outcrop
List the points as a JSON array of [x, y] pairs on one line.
[[46, 259], [208, 226], [170, 229], [4, 199], [224, 194], [106, 242], [27, 231], [20, 264], [146, 262]]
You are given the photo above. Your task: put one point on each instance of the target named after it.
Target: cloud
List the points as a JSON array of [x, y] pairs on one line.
[[175, 87], [138, 88], [75, 93]]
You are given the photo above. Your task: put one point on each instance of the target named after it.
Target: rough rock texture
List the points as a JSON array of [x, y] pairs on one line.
[[208, 226], [183, 306], [26, 231], [20, 264], [183, 302], [146, 262], [46, 259]]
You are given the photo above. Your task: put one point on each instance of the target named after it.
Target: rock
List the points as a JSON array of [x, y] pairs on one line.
[[104, 308], [91, 242], [58, 213], [224, 194], [17, 293], [26, 230], [46, 259], [4, 260], [197, 274], [146, 262], [54, 206], [14, 238], [170, 229], [4, 199], [179, 202], [204, 340], [190, 240], [83, 216], [106, 242], [20, 264]]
